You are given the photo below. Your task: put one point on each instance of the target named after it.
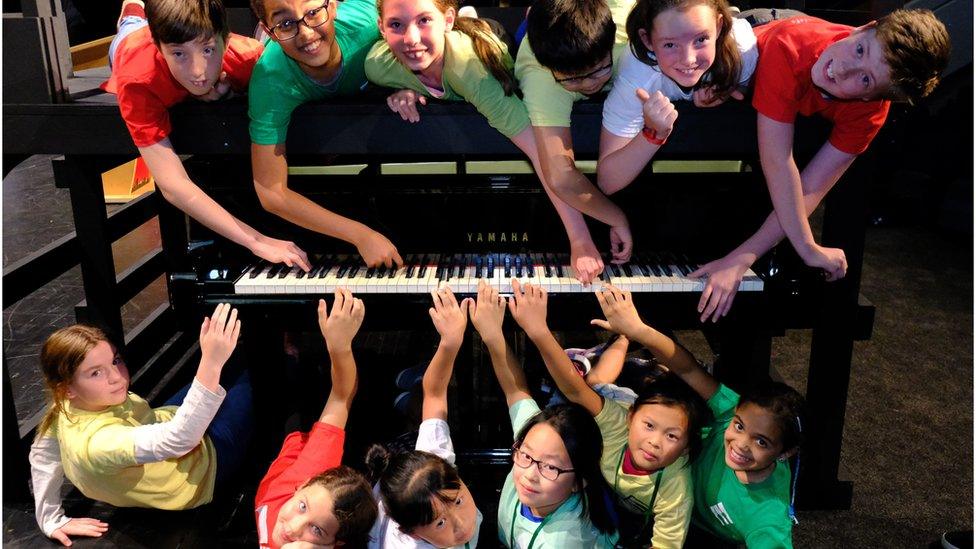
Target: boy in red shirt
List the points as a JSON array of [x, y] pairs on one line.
[[848, 75], [307, 499], [165, 53]]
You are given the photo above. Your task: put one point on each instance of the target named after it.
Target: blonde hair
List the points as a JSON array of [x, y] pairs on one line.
[[61, 355]]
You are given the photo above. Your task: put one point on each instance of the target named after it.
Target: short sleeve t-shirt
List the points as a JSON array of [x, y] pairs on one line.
[[434, 436], [550, 104], [146, 88], [788, 49], [672, 507], [98, 456], [754, 514], [623, 113], [302, 456], [464, 78], [564, 528], [279, 86]]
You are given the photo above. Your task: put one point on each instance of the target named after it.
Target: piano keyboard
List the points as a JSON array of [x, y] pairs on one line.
[[423, 273]]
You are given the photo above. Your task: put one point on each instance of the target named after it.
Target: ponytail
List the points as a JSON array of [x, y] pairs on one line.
[[489, 50]]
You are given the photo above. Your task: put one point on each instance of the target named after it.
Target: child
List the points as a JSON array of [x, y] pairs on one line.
[[809, 66], [316, 51], [570, 51], [555, 495], [429, 51], [425, 504], [114, 448], [646, 448], [683, 49], [307, 499], [741, 479], [164, 53]]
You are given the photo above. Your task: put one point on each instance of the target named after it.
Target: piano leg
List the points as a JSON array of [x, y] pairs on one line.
[[742, 347], [262, 342]]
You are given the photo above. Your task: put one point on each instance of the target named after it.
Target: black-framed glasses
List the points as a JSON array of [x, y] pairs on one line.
[[288, 29], [592, 75], [547, 470]]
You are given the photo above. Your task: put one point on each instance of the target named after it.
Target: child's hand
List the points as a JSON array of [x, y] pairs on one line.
[[449, 318], [621, 244], [659, 113], [488, 313], [280, 251], [90, 527], [585, 259], [723, 278], [528, 306], [341, 326], [218, 337], [832, 260], [376, 250], [705, 97], [618, 307], [220, 89], [404, 103]]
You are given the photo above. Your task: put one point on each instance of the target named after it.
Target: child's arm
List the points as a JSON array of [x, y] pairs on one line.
[[622, 159], [270, 170], [611, 362], [528, 307], [47, 475], [339, 329], [404, 103], [622, 318], [818, 177], [450, 320], [178, 189], [487, 315]]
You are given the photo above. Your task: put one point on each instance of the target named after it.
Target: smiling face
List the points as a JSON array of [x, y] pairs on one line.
[[415, 31], [307, 516], [684, 42], [853, 68], [101, 380], [658, 435], [752, 440], [454, 524], [314, 49], [195, 64], [542, 495]]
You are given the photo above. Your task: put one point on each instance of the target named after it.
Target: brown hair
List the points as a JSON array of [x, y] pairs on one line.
[[486, 45], [179, 21], [916, 48], [353, 504], [61, 355], [723, 75]]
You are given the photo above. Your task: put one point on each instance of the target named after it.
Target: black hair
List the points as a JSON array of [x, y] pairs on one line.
[[787, 407], [584, 444], [669, 390], [179, 21], [409, 481], [570, 36]]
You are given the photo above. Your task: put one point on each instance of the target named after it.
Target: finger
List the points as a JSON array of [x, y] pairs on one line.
[[388, 261], [642, 95], [61, 537], [323, 311], [231, 320], [358, 308], [728, 303], [302, 261], [92, 521], [422, 99], [516, 289], [205, 326], [433, 315], [219, 319], [235, 333], [466, 305], [337, 302], [348, 300], [397, 259], [601, 323], [706, 293], [721, 305], [713, 302], [389, 103], [699, 272], [511, 305], [737, 95], [435, 298], [450, 297]]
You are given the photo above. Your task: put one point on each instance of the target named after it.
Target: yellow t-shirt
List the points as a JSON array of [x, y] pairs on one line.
[[464, 78], [98, 456], [675, 497], [549, 103]]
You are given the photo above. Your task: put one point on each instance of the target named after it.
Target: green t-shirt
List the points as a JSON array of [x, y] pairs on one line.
[[672, 508], [278, 85], [549, 103], [464, 78], [754, 514], [565, 529]]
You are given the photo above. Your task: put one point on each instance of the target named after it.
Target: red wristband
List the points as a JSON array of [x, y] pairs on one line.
[[651, 137]]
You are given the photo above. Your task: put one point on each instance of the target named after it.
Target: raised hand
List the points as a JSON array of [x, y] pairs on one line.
[[218, 338], [621, 244], [88, 527], [723, 278], [376, 250], [528, 306], [659, 112], [585, 260], [450, 319], [404, 103], [831, 260], [341, 326], [488, 313], [280, 251], [618, 308]]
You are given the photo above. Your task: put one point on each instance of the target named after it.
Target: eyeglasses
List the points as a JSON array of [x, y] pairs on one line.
[[548, 471], [592, 75], [288, 29]]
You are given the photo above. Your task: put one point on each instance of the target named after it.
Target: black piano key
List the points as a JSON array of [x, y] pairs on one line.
[[559, 265], [256, 270], [284, 271], [354, 270], [327, 264], [273, 271], [490, 267], [508, 266], [547, 265], [343, 268], [370, 272], [300, 273], [477, 266], [615, 270], [518, 266], [422, 272]]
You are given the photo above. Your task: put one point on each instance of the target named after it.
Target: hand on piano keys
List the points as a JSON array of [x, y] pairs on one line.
[[723, 279]]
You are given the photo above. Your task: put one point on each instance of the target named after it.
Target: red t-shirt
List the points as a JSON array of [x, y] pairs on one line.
[[788, 48], [146, 88], [302, 456]]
